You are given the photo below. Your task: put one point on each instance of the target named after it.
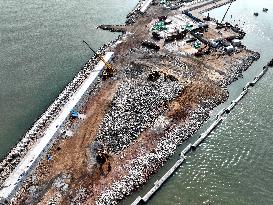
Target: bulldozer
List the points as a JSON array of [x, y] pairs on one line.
[[108, 72]]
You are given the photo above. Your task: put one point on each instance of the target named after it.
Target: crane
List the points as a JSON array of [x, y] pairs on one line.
[[109, 71], [226, 11]]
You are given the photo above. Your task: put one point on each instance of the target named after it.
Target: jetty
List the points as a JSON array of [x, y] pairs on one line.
[[113, 28]]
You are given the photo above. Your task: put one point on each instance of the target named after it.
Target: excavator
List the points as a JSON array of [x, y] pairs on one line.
[[109, 70], [202, 51]]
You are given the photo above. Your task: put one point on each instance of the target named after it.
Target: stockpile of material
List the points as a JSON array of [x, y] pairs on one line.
[[136, 105]]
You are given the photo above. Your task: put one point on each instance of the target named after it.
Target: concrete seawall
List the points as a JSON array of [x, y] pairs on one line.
[[145, 5], [13, 182], [207, 132], [186, 150], [159, 183]]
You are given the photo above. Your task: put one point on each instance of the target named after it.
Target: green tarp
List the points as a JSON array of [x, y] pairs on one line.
[[159, 26], [197, 44]]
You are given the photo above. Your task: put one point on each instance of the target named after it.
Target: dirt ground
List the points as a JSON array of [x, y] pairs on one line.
[[70, 155]]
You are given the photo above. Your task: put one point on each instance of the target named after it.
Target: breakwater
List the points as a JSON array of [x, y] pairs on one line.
[[39, 149], [218, 120], [37, 130], [113, 28]]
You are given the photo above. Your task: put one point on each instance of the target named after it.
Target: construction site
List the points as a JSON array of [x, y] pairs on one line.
[[156, 85]]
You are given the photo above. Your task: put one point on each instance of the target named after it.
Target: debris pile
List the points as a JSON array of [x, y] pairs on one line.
[[136, 105], [143, 166]]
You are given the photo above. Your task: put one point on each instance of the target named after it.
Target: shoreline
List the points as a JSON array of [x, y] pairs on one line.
[[220, 117], [137, 177]]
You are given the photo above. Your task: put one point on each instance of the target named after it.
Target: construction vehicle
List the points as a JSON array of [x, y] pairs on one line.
[[203, 51], [108, 71]]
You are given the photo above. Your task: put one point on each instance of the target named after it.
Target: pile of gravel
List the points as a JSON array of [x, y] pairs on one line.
[[137, 103]]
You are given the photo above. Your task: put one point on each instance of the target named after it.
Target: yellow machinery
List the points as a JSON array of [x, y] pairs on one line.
[[108, 71]]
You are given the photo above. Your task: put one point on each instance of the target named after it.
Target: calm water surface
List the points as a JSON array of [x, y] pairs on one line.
[[234, 166], [41, 50]]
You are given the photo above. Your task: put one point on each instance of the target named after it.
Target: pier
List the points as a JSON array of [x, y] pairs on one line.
[[13, 182]]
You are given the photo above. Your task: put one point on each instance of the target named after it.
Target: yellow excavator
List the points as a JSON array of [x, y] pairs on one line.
[[109, 70]]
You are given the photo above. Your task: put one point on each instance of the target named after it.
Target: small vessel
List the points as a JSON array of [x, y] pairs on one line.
[[256, 14], [270, 64], [265, 9]]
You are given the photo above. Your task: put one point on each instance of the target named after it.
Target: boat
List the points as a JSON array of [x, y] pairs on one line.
[[270, 64]]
